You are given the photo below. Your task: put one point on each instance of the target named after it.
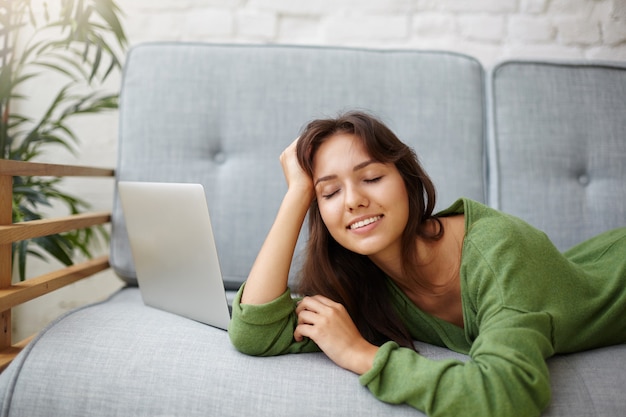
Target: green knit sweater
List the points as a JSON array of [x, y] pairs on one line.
[[523, 301]]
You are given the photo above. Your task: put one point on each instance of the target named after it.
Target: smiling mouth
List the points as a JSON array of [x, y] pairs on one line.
[[363, 223]]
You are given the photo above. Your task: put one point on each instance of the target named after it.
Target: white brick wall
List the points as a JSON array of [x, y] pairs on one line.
[[490, 30]]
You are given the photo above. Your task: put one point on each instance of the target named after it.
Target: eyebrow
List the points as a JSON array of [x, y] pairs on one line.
[[356, 168]]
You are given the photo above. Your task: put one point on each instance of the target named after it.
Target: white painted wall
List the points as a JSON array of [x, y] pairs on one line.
[[489, 30]]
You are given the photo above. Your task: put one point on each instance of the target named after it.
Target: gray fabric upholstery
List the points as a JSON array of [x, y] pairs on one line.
[[560, 137], [131, 360], [127, 359], [589, 383], [221, 115]]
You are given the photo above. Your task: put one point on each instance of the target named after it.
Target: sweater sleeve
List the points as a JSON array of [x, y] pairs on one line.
[[506, 376], [267, 329]]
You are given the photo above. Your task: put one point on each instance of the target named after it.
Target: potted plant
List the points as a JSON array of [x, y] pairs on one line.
[[81, 42]]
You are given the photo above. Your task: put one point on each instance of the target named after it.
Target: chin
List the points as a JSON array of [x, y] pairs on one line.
[[360, 250]]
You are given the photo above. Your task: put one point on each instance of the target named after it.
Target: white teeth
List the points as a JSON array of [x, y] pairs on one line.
[[365, 222]]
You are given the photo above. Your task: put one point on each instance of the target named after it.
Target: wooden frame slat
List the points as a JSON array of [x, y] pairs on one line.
[[6, 256], [32, 288], [21, 168], [8, 354], [11, 294], [37, 228]]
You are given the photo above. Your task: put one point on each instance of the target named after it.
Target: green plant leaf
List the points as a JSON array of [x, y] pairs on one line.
[[67, 131], [23, 214], [57, 246], [79, 241], [22, 251], [36, 133], [92, 104], [6, 90], [34, 49], [81, 44], [108, 10], [70, 64], [6, 84], [96, 62], [34, 197], [15, 120], [67, 9], [57, 69]]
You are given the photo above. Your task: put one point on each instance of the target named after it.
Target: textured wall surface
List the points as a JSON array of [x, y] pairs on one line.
[[487, 29], [490, 30]]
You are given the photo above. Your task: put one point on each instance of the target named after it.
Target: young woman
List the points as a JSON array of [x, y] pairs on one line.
[[382, 270]]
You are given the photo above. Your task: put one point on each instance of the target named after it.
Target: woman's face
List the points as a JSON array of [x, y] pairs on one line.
[[363, 203]]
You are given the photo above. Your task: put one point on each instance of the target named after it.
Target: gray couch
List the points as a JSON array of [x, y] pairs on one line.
[[544, 141]]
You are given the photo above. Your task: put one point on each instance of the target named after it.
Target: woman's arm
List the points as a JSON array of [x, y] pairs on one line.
[[507, 375], [270, 272], [264, 316]]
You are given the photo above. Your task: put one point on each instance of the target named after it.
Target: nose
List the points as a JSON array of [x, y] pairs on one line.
[[355, 198]]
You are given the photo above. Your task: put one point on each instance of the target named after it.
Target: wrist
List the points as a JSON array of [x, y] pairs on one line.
[[364, 360], [301, 192]]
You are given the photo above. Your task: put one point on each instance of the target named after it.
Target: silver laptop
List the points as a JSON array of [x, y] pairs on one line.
[[174, 251]]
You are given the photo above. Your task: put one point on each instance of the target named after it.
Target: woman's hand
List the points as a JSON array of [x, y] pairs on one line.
[[295, 175], [329, 325]]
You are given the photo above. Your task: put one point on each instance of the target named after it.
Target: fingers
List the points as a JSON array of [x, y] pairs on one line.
[[319, 312], [300, 333], [294, 174], [309, 323], [315, 303], [289, 150]]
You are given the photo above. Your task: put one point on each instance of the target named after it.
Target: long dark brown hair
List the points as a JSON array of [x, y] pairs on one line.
[[345, 276]]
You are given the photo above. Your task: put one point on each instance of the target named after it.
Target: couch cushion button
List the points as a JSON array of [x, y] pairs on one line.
[[219, 157], [584, 180]]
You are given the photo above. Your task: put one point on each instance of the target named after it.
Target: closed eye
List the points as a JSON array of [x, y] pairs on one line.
[[373, 180], [329, 195]]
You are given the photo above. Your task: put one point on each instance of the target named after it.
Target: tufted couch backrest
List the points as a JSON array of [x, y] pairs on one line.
[[220, 115], [558, 146]]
